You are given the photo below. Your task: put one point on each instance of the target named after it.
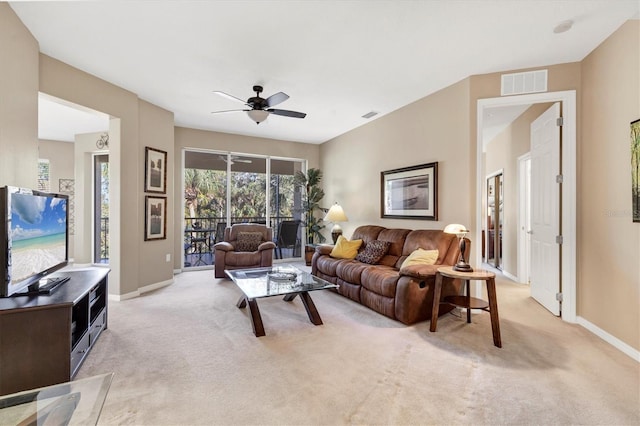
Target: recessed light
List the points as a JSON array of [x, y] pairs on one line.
[[563, 26]]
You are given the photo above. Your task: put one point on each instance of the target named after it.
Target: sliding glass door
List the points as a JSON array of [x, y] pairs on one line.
[[224, 188]]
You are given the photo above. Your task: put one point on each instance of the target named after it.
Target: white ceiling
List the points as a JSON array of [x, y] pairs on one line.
[[337, 60]]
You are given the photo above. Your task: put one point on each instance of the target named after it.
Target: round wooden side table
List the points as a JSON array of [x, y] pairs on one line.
[[467, 301]]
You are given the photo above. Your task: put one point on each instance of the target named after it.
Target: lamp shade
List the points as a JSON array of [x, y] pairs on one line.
[[258, 115], [456, 228], [336, 214]]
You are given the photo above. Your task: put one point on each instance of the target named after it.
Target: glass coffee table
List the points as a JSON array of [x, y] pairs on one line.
[[281, 280]]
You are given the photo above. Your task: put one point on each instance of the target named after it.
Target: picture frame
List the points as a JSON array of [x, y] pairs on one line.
[[155, 170], [155, 218], [410, 192], [635, 170]]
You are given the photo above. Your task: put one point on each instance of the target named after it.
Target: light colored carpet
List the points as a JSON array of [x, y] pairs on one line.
[[186, 355]]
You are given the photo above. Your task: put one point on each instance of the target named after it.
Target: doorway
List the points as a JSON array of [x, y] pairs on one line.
[[567, 268]]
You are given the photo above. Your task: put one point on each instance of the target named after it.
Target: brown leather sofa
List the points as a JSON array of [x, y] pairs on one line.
[[405, 295], [229, 254]]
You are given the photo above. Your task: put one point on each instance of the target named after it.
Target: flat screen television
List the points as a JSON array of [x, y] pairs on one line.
[[34, 240]]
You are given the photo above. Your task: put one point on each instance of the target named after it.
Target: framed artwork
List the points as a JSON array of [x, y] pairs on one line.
[[635, 170], [155, 170], [155, 218], [410, 192]]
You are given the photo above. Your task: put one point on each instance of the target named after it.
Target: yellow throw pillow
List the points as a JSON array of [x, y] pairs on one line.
[[421, 257], [345, 249]]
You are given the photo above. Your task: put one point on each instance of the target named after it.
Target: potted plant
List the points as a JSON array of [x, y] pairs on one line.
[[312, 194]]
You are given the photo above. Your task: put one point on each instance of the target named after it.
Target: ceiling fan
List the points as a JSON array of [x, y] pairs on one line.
[[260, 108], [235, 159]]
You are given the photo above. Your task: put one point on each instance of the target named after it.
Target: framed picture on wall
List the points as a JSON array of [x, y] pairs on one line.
[[410, 192], [155, 170], [155, 218]]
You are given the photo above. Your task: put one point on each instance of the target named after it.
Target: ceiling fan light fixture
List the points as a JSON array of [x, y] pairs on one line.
[[257, 115]]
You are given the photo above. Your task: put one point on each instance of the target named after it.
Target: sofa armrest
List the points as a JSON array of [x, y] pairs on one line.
[[324, 248], [224, 246], [420, 271], [267, 245]]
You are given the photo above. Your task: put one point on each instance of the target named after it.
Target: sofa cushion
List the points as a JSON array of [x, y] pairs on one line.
[[345, 249], [373, 252], [381, 280], [396, 238], [248, 241], [351, 270], [421, 257]]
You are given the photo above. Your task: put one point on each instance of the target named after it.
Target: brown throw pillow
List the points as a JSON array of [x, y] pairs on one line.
[[248, 241], [373, 252]]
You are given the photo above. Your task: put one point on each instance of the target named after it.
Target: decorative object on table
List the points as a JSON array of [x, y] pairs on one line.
[[309, 186], [155, 170], [335, 215], [410, 192], [282, 276], [155, 218], [460, 231], [635, 170]]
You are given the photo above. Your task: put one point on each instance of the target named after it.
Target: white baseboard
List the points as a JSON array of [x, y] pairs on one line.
[[613, 341], [511, 277], [140, 291]]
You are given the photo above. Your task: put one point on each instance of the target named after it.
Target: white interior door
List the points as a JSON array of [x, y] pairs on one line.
[[545, 209], [524, 218]]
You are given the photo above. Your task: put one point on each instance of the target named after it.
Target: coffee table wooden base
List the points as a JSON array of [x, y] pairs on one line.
[[256, 318]]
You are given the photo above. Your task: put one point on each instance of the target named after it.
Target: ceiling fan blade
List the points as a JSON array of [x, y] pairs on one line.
[[276, 99], [229, 110], [228, 96], [287, 113]]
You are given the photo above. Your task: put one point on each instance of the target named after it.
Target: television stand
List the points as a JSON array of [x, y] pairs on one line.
[[45, 338], [43, 286]]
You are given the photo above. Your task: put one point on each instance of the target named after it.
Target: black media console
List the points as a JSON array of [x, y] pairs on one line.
[[45, 338]]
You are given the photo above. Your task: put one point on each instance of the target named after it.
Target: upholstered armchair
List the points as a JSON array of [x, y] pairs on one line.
[[245, 245]]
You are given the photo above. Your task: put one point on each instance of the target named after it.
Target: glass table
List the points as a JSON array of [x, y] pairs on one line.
[[281, 280], [72, 403]]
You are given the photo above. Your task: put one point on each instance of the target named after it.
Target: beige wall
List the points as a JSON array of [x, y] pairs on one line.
[[202, 139], [18, 102], [502, 154], [134, 124], [608, 259], [435, 128], [60, 156], [156, 131]]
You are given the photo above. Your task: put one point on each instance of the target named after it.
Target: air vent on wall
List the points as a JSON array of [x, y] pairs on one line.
[[524, 82]]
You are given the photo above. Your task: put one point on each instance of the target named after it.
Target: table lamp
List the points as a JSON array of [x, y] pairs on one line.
[[461, 231], [335, 215]]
